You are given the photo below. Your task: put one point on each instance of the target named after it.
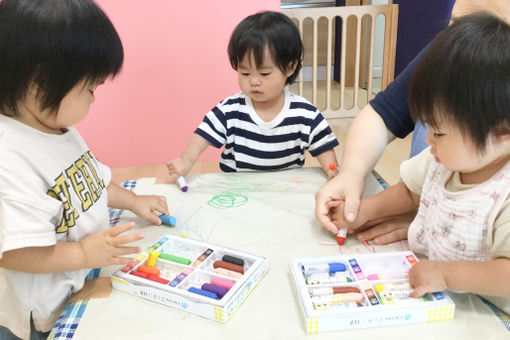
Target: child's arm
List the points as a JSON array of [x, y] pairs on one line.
[[181, 165], [96, 250], [397, 199], [325, 159], [141, 205], [487, 278]]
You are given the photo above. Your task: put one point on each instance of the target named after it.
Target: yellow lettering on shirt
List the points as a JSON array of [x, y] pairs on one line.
[[84, 195], [61, 192]]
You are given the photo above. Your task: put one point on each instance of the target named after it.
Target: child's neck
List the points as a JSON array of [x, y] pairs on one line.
[[269, 109], [483, 174]]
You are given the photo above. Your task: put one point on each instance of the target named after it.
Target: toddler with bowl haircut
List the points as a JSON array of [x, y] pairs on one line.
[[54, 194], [461, 183], [264, 127]]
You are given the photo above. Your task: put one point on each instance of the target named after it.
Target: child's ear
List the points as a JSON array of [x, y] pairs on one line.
[[502, 133], [33, 89], [291, 68]]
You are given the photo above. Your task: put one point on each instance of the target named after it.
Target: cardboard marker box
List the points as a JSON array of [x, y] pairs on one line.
[[361, 291], [184, 263]]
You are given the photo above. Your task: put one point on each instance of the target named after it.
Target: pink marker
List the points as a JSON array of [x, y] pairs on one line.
[[218, 281]]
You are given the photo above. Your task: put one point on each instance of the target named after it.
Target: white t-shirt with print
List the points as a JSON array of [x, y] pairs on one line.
[[52, 189]]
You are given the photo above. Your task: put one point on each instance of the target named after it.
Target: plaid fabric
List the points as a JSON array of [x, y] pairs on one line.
[[503, 317], [70, 317]]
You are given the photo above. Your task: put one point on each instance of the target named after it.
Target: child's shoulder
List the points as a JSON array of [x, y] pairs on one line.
[[298, 102], [238, 99]]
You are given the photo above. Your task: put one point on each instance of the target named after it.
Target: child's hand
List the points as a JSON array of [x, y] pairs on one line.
[[144, 206], [179, 167], [426, 277], [106, 247]]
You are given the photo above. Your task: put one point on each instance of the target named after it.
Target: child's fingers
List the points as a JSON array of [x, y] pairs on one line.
[[162, 205], [119, 251], [419, 291], [124, 239], [119, 229], [121, 260], [333, 204]]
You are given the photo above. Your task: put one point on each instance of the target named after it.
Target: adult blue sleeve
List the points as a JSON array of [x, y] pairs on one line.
[[392, 105]]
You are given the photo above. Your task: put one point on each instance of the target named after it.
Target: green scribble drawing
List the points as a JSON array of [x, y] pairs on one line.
[[240, 183], [227, 200]]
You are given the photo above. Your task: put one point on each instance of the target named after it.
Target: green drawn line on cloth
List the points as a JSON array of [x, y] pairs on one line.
[[224, 201]]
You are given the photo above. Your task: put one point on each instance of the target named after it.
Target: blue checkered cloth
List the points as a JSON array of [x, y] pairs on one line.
[[70, 317]]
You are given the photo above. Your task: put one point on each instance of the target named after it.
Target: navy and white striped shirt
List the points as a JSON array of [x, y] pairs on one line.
[[252, 144]]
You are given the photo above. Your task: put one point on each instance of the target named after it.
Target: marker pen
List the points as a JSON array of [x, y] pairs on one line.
[[181, 182], [165, 219], [338, 298], [333, 280], [341, 235], [332, 290], [309, 269]]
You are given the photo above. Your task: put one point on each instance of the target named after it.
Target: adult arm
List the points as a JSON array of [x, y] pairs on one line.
[[366, 139]]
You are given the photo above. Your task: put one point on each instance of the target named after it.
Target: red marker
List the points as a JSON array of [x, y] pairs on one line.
[[341, 235]]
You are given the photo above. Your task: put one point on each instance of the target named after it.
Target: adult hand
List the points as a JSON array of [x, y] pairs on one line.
[[344, 187], [387, 229]]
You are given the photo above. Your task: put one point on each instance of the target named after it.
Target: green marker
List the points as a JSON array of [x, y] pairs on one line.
[[174, 258]]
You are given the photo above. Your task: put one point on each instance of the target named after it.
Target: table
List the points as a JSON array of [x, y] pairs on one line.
[[276, 221]]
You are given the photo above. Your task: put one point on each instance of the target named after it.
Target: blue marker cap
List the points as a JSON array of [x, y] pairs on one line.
[[203, 292], [337, 267], [170, 220]]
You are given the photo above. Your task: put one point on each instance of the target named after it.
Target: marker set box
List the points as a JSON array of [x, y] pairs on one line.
[[194, 276], [363, 290]]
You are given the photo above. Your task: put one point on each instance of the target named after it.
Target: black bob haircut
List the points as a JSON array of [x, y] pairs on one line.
[[273, 30], [464, 78], [53, 44]]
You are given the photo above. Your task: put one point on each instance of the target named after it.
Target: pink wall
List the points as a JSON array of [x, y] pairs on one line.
[[176, 68]]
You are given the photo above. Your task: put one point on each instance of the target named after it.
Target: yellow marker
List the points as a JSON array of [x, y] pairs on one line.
[[153, 259], [182, 235], [141, 257]]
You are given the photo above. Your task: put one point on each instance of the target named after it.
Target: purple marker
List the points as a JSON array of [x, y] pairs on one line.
[[219, 291], [181, 182]]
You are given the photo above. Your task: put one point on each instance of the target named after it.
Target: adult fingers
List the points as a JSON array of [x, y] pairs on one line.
[[352, 201]]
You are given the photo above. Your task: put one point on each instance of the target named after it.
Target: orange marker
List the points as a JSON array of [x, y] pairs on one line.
[[149, 270], [332, 166]]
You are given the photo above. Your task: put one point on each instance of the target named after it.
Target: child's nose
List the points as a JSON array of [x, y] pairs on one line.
[[255, 80]]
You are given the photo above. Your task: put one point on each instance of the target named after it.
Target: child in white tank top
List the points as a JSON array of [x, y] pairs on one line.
[[461, 183]]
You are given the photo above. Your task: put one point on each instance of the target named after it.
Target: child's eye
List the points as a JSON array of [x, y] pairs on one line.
[[245, 74], [438, 134], [265, 74]]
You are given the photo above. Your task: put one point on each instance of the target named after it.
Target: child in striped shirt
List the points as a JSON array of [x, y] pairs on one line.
[[264, 127]]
